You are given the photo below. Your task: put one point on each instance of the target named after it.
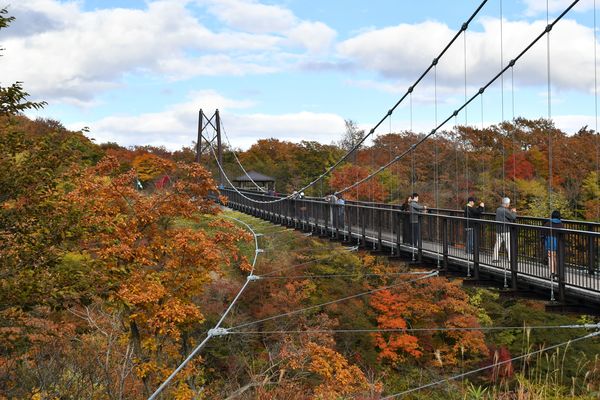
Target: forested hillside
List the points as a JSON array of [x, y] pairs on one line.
[[108, 285]]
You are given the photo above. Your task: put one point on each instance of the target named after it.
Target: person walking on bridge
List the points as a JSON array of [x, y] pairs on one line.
[[472, 213], [415, 208], [503, 215], [332, 200]]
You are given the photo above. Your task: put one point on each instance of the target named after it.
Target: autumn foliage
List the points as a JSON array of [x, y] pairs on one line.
[[84, 251], [106, 288], [434, 302], [371, 190]]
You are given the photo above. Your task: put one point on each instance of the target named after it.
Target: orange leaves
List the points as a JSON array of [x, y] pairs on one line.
[[337, 376], [149, 166], [395, 347], [434, 302], [153, 260], [172, 315], [140, 291], [371, 190]]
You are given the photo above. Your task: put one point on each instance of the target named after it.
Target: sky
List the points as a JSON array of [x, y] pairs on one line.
[[137, 72]]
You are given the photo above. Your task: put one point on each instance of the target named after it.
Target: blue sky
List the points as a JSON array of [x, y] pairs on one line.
[[136, 72]]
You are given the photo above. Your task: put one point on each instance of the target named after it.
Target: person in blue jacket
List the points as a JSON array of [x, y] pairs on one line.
[[551, 240]]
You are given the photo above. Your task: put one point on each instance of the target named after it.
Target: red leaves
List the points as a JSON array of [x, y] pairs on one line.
[[518, 167], [371, 190]]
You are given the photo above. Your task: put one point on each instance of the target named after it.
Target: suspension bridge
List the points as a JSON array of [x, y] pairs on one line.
[[441, 241]]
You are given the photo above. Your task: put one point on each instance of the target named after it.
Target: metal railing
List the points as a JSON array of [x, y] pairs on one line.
[[442, 235]]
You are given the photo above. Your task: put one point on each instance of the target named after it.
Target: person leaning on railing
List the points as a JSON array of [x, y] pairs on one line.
[[551, 241], [472, 213], [415, 208]]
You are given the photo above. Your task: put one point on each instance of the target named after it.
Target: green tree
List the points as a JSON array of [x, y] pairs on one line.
[[13, 98]]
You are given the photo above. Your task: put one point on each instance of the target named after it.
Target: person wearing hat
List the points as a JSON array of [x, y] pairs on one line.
[[472, 213], [504, 214]]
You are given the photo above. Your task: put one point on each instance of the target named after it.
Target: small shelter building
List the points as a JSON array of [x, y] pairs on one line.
[[245, 181]]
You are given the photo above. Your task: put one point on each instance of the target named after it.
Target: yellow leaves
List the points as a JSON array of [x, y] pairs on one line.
[[149, 166], [183, 392], [172, 315], [144, 369], [338, 376], [141, 290]]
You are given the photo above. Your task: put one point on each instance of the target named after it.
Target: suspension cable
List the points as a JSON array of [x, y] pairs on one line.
[[216, 329], [496, 364], [597, 135], [436, 175], [410, 89], [309, 331], [237, 159], [287, 314], [355, 275], [480, 91]]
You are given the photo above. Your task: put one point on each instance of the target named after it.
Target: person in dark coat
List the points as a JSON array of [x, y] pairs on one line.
[[406, 234], [415, 209], [472, 214], [551, 241]]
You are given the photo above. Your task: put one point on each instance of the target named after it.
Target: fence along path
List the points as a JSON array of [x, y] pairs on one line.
[[442, 238]]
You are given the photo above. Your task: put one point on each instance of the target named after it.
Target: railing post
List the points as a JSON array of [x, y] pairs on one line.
[[350, 211], [420, 238], [327, 215], [560, 256], [445, 242], [592, 251], [363, 227], [336, 217], [294, 213], [514, 265], [379, 229], [398, 227], [476, 247], [313, 215]]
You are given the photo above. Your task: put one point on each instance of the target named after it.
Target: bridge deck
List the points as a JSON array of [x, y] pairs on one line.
[[443, 238]]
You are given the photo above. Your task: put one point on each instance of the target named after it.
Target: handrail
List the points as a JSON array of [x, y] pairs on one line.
[[386, 206]]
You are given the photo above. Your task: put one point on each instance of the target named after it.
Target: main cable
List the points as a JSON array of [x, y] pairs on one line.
[[237, 159], [410, 89], [215, 330], [480, 92]]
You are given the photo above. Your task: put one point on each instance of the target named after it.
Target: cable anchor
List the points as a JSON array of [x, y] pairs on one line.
[[218, 332]]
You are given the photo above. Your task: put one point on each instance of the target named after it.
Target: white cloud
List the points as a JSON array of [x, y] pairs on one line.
[[316, 37], [571, 124], [66, 54], [184, 67], [250, 16], [536, 7], [176, 126], [402, 52]]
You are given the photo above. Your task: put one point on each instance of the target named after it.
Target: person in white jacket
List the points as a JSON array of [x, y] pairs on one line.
[[503, 214]]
